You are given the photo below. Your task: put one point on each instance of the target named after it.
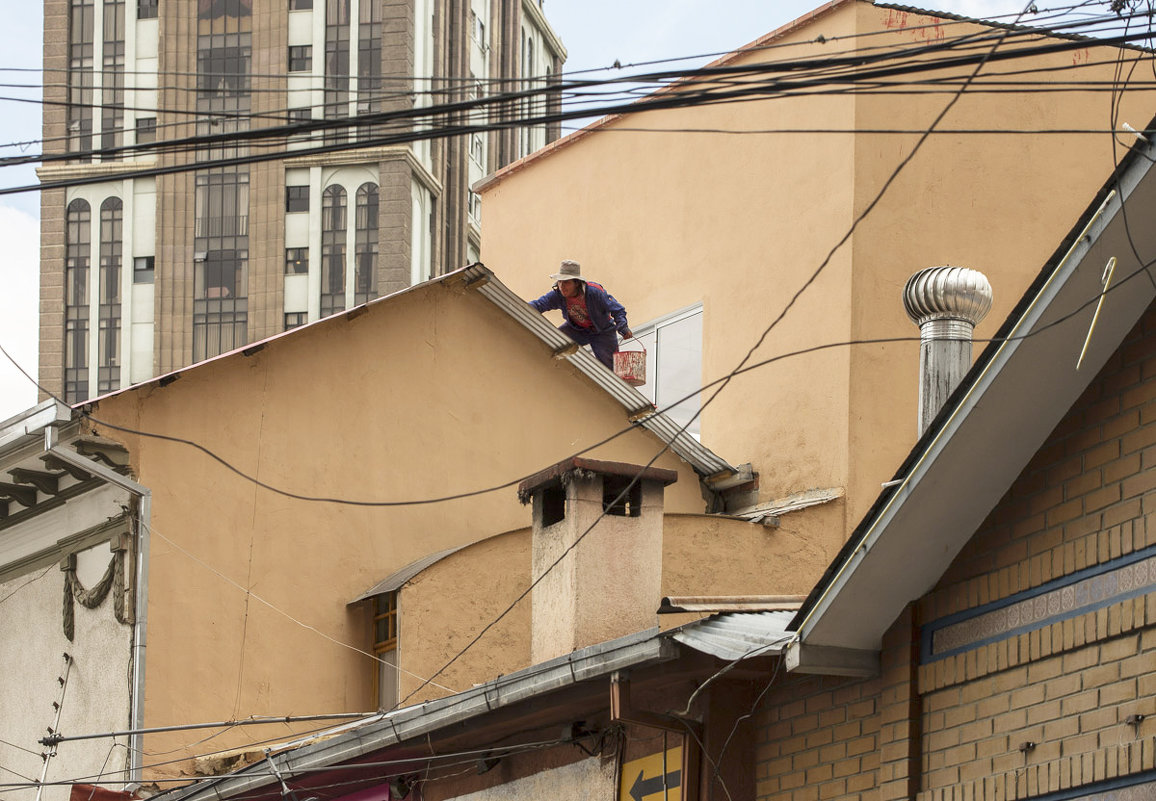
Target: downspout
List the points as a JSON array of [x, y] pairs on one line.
[[140, 612]]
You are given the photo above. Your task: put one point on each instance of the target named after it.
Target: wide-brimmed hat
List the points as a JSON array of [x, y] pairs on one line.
[[569, 271]]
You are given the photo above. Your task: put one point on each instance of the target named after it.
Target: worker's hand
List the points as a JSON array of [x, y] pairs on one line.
[[627, 333]]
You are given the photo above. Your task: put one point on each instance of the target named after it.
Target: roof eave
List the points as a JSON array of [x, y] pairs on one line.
[[1007, 405]]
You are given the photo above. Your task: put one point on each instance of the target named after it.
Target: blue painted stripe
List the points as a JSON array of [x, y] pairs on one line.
[[928, 631]]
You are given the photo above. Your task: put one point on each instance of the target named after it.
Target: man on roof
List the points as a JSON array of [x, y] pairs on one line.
[[593, 316]]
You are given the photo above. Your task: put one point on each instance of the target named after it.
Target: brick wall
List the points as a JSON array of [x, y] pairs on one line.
[[1087, 498], [951, 726], [818, 738]]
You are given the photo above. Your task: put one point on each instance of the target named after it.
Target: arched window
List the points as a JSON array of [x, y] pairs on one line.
[[108, 345], [365, 263], [333, 227], [78, 225]]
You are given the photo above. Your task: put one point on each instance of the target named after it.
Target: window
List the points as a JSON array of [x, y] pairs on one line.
[[221, 261], [674, 363], [143, 271], [369, 81], [474, 206], [337, 25], [146, 130], [365, 251], [333, 225], [81, 32], [78, 225], [385, 631], [147, 9], [296, 261], [295, 319], [300, 5], [108, 340], [296, 198], [476, 150], [300, 58], [112, 90], [297, 116]]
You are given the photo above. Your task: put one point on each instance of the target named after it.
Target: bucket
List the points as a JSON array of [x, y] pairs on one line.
[[630, 366]]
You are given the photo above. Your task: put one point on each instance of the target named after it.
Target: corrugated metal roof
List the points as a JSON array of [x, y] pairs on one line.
[[637, 406], [394, 581], [730, 637], [738, 635]]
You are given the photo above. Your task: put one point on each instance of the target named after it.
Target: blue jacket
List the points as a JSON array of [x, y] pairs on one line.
[[606, 313]]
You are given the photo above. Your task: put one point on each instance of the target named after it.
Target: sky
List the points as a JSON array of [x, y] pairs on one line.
[[596, 34]]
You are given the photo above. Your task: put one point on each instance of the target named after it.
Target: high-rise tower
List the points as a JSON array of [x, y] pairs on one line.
[[144, 275]]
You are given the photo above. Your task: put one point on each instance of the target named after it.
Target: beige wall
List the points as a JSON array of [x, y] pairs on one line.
[[739, 222], [701, 555], [455, 598], [426, 394]]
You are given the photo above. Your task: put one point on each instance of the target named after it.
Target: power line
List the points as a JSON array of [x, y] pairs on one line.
[[713, 78]]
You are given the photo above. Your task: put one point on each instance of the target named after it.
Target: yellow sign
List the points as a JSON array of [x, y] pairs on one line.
[[657, 777]]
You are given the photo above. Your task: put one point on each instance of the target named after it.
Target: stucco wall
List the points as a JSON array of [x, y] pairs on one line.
[[701, 555], [739, 221], [426, 394], [455, 598], [96, 696]]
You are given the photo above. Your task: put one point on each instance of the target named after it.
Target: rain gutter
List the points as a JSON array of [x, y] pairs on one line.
[[394, 728]]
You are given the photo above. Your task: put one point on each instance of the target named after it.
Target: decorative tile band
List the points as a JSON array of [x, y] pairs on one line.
[[1077, 594]]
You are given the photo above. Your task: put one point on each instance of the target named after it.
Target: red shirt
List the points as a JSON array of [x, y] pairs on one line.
[[576, 311]]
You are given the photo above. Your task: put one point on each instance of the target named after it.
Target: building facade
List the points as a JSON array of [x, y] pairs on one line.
[[705, 256], [144, 274]]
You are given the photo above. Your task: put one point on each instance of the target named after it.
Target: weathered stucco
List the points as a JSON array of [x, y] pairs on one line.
[[96, 696], [739, 223], [426, 394]]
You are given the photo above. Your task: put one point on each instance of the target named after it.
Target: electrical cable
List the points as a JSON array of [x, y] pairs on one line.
[[747, 89], [1053, 32], [633, 426], [249, 593], [756, 346], [34, 578]]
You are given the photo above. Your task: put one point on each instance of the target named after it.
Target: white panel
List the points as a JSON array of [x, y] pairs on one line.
[[301, 27], [146, 99], [96, 697], [142, 303], [144, 219], [297, 229], [300, 84], [147, 37], [296, 293], [146, 78], [297, 176], [142, 349]]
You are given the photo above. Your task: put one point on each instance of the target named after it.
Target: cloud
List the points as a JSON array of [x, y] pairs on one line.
[[19, 307]]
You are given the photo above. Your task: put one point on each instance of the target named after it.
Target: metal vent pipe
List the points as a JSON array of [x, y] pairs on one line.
[[946, 303]]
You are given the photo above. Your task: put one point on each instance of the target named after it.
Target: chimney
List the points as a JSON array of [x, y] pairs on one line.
[[609, 584], [946, 303]]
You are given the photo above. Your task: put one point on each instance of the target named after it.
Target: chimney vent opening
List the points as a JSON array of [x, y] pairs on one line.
[[553, 504], [629, 505]]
